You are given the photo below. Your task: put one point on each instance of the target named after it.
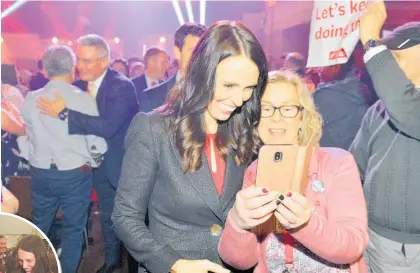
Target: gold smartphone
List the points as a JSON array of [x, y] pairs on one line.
[[283, 168]]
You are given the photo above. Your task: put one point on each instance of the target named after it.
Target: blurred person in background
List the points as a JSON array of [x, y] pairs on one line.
[[342, 100], [134, 59], [61, 164], [12, 263], [38, 80], [295, 62], [121, 66], [9, 81], [186, 38], [3, 248], [4, 256], [136, 69], [282, 60], [24, 77], [12, 126], [312, 79], [173, 68], [359, 69], [156, 61]]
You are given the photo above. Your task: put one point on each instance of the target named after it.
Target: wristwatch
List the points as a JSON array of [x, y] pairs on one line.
[[371, 43], [63, 114]]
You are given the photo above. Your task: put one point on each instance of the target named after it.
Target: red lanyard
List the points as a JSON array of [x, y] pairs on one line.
[[288, 245]]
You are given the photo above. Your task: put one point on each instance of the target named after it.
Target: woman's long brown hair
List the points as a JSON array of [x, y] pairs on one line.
[[35, 245], [188, 100]]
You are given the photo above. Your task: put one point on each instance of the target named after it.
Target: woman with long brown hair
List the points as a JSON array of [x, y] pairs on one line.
[[33, 256], [184, 164]]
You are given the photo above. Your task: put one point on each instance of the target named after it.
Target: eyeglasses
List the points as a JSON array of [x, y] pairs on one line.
[[88, 61], [287, 111]]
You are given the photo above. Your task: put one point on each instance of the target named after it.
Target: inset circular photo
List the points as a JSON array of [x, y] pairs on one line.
[[24, 248]]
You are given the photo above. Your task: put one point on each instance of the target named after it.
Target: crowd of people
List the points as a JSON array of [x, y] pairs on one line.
[[171, 152]]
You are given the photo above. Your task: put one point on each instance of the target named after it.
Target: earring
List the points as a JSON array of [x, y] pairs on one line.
[[300, 133]]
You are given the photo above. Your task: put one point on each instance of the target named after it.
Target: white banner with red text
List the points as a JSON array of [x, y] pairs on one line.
[[334, 31]]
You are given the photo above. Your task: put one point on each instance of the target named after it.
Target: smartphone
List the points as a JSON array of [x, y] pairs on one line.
[[283, 168]]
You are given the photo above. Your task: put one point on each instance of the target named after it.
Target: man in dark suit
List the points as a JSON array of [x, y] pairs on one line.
[[38, 80], [117, 105], [156, 61], [186, 38]]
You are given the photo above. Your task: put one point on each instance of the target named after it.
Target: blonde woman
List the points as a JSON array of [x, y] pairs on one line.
[[325, 230]]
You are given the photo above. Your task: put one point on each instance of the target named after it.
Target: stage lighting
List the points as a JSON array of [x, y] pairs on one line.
[[144, 49], [178, 12], [54, 40], [162, 39], [203, 12], [116, 40], [189, 11]]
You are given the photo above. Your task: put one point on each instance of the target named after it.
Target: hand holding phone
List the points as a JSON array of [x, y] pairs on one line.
[[253, 206], [283, 168]]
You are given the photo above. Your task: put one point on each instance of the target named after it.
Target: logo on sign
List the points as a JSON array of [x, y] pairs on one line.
[[337, 54]]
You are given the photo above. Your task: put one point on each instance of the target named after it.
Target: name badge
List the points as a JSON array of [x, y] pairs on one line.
[[318, 186]]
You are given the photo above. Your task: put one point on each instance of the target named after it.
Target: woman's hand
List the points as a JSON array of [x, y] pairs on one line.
[[197, 266], [9, 202], [253, 206], [11, 121], [294, 211]]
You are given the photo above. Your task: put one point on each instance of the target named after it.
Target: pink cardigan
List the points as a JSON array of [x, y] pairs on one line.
[[337, 231]]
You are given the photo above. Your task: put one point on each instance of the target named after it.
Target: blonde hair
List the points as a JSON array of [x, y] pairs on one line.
[[311, 119]]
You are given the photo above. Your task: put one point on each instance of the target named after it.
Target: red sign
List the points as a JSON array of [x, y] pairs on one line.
[[337, 54]]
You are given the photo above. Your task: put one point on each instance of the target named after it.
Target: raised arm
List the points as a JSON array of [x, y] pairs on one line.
[[400, 96], [121, 108]]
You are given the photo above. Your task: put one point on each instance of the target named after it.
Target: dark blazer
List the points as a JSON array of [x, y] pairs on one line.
[[140, 83], [184, 209], [153, 97], [37, 81], [117, 105]]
